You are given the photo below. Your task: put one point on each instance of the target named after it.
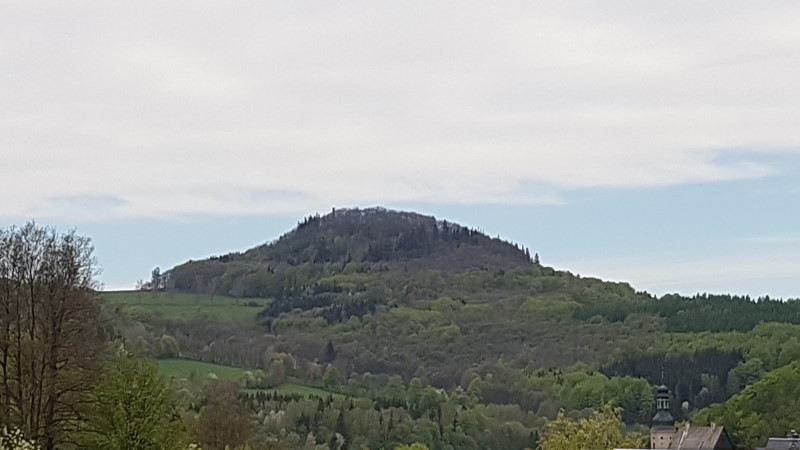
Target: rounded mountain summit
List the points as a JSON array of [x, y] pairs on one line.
[[372, 240]]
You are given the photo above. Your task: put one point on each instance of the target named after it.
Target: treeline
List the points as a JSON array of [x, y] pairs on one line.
[[702, 312]]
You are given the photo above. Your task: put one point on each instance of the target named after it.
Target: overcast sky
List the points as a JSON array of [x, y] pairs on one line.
[[652, 142]]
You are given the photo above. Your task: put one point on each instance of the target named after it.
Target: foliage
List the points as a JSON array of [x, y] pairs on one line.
[[414, 446], [132, 409], [701, 312], [695, 376], [549, 307], [222, 421], [634, 396], [768, 407], [332, 380], [601, 431], [385, 292], [421, 415]]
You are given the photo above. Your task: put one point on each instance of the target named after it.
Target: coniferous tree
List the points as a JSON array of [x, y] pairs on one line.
[[330, 352]]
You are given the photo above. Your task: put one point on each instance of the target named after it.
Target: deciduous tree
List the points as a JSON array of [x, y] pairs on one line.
[[223, 421], [51, 338], [603, 430], [155, 279], [132, 409]]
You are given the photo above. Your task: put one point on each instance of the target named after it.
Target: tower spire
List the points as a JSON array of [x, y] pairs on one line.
[[662, 430], [663, 418]]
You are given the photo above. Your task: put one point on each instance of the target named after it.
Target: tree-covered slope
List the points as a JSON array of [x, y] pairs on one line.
[[397, 293]]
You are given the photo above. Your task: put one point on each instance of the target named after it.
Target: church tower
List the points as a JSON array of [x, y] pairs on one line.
[[662, 432]]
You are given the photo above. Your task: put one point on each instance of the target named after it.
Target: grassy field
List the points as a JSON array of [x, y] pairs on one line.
[[197, 370], [144, 305]]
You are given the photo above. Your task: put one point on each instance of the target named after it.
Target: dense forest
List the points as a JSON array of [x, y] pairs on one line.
[[406, 332]]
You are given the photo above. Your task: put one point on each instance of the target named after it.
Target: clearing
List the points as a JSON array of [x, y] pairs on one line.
[[144, 305]]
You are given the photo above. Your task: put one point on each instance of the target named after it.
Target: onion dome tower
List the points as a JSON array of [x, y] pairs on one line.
[[662, 430]]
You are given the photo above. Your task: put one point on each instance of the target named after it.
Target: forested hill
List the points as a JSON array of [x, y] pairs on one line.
[[404, 295], [350, 261], [361, 240], [379, 235]]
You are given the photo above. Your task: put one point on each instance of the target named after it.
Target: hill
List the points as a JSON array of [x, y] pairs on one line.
[[355, 241], [378, 293], [378, 283]]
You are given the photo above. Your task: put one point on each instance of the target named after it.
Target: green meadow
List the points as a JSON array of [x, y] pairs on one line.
[[198, 370], [143, 305]]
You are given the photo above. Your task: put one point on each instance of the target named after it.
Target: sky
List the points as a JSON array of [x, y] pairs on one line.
[[656, 143]]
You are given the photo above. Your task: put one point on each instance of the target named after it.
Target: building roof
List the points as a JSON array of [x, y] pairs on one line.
[[689, 437], [787, 443], [663, 419], [714, 437]]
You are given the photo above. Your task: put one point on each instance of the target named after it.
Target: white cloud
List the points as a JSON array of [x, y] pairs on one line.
[[176, 75], [203, 107]]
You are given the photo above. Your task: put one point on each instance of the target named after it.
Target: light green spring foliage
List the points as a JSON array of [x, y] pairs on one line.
[[601, 431], [414, 446], [132, 408], [766, 408], [12, 439]]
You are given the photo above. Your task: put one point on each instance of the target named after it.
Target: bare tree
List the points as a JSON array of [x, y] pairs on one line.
[[51, 338], [222, 422]]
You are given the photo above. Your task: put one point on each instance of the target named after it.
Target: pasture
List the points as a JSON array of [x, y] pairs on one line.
[[198, 370], [145, 306]]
